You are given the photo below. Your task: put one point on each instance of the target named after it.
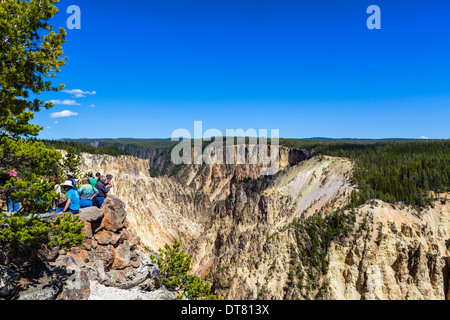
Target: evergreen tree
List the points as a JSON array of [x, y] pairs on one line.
[[29, 54], [71, 163], [174, 265]]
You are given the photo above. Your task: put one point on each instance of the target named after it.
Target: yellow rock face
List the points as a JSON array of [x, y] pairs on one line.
[[232, 222]]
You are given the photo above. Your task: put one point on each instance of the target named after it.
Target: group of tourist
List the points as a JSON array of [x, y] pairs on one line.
[[92, 192]]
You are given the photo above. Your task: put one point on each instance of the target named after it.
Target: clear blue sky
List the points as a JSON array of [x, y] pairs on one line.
[[308, 68]]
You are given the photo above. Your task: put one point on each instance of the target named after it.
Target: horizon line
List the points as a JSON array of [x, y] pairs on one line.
[[281, 138]]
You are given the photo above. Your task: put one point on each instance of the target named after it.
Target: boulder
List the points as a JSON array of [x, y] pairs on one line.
[[91, 214], [80, 256], [8, 278], [77, 285], [88, 215], [104, 253], [122, 256], [116, 239], [43, 282], [88, 233], [115, 216], [104, 237], [43, 290]]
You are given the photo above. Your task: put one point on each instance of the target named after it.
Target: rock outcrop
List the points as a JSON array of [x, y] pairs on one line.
[[108, 257], [402, 256]]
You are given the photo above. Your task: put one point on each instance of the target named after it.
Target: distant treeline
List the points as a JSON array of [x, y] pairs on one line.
[[163, 144], [391, 171], [81, 147]]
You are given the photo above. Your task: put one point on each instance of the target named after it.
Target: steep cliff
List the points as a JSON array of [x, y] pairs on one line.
[[147, 149], [242, 229], [402, 255]]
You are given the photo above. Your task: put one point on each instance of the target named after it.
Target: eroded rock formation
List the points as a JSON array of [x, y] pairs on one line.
[[402, 256], [236, 225]]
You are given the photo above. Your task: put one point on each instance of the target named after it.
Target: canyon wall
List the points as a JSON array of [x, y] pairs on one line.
[[402, 256], [238, 227]]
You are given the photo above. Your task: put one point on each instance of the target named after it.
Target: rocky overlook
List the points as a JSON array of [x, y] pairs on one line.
[[108, 265]]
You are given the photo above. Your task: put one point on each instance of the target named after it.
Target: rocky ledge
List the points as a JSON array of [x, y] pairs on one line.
[[108, 265]]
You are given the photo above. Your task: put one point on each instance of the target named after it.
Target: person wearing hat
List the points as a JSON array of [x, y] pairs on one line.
[[70, 178], [73, 198]]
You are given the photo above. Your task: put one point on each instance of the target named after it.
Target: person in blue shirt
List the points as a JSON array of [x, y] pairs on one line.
[[73, 199]]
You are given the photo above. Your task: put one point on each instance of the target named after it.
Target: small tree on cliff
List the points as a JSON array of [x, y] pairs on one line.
[[174, 265], [71, 163], [30, 53]]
